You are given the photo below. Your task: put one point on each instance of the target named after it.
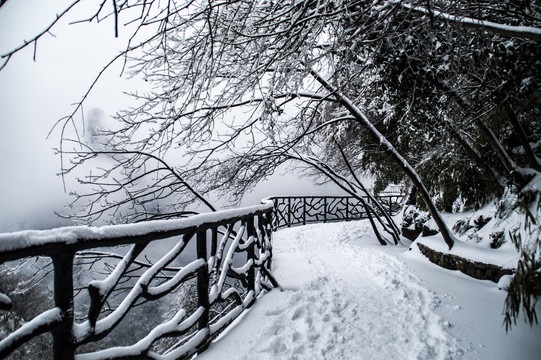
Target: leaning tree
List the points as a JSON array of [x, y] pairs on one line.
[[237, 79]]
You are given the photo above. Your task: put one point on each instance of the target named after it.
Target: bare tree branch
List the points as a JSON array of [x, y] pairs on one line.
[[7, 56]]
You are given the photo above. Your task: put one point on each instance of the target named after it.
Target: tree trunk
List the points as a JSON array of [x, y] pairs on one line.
[[501, 154], [510, 166], [475, 156], [533, 161], [393, 231], [324, 169], [402, 163]]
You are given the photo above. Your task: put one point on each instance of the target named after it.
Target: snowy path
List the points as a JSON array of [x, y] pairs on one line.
[[345, 298]]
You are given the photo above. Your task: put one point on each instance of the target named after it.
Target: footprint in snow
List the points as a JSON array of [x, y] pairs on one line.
[[296, 336], [299, 312], [274, 312]]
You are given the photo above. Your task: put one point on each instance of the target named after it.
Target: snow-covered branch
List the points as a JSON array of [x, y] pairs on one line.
[[387, 146], [521, 32]]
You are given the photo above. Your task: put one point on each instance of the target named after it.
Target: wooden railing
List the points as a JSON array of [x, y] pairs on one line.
[[216, 263], [203, 272], [302, 210]]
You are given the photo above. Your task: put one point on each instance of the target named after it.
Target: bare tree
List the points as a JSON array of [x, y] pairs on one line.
[[232, 76]]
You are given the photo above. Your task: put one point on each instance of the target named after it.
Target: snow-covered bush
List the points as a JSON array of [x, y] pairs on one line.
[[413, 221], [525, 286]]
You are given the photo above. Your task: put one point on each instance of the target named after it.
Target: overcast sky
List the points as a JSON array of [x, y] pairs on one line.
[[34, 95]]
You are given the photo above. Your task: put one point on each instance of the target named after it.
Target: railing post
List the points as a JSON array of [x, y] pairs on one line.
[[274, 216], [325, 209], [347, 208], [250, 253], [203, 282], [268, 238], [288, 212], [63, 339], [214, 242], [304, 210]]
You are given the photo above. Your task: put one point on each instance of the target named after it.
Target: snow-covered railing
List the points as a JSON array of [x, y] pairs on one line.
[[203, 271], [302, 210]]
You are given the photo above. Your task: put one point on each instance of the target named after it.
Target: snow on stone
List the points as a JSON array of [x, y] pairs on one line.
[[346, 297], [504, 282], [502, 258]]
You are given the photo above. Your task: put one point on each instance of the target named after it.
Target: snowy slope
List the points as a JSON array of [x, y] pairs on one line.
[[348, 298]]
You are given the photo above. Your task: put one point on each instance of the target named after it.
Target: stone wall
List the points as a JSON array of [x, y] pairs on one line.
[[474, 269]]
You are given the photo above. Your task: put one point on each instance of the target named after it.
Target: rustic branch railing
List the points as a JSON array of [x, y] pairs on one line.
[[302, 210], [228, 266], [210, 269]]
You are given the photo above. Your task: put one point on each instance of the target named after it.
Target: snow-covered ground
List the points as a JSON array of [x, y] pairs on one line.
[[346, 297]]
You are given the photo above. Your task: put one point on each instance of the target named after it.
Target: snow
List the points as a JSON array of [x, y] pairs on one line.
[[528, 32], [5, 301], [105, 286], [84, 329], [177, 323], [177, 279], [72, 234], [346, 297], [504, 282]]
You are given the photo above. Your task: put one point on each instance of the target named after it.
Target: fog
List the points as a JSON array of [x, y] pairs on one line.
[[35, 95]]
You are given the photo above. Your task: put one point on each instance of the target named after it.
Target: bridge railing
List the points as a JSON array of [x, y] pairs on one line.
[[202, 272], [302, 210], [173, 285]]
